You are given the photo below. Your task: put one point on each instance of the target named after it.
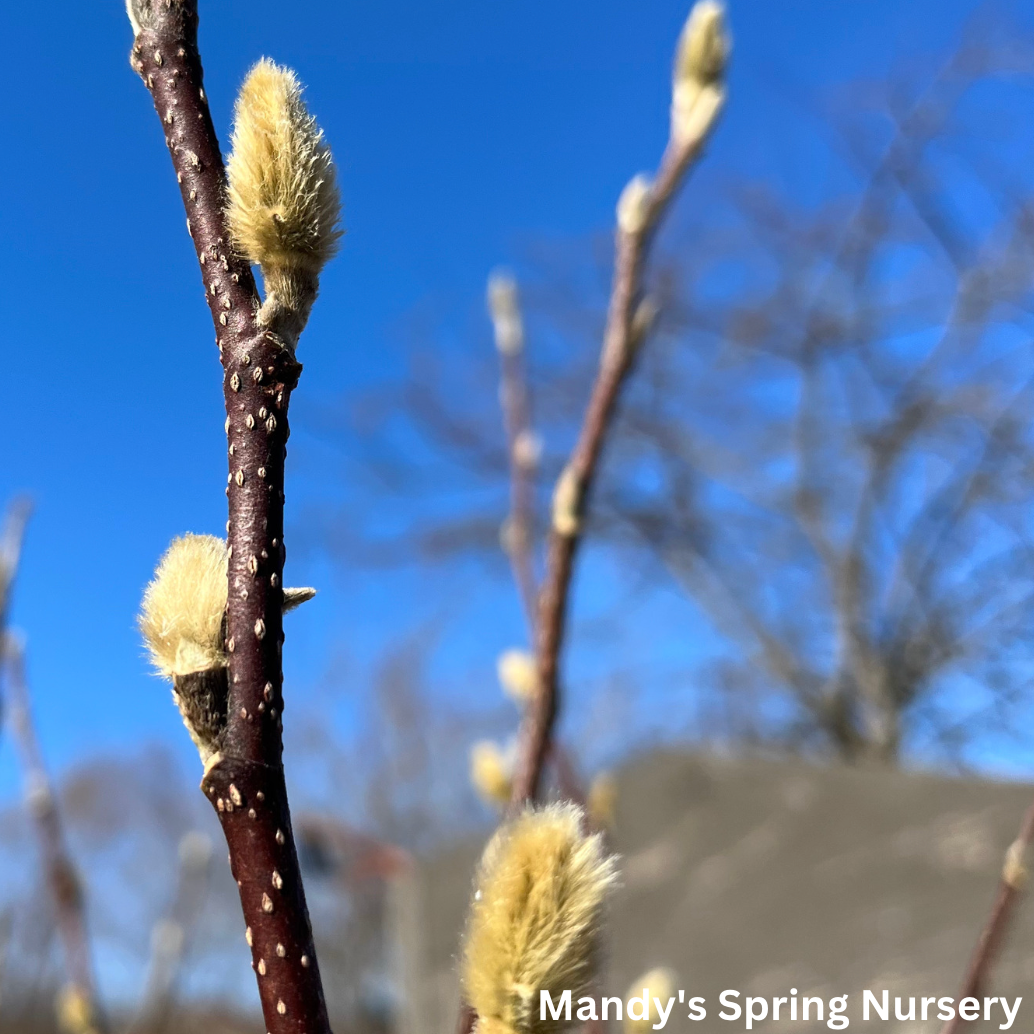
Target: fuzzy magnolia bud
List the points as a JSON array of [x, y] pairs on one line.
[[634, 205], [567, 503], [141, 15], [491, 772], [601, 801], [182, 622], [657, 983], [75, 1011], [517, 675], [283, 203], [700, 60], [534, 924], [504, 308]]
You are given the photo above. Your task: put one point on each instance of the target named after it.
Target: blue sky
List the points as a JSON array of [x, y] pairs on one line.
[[460, 129]]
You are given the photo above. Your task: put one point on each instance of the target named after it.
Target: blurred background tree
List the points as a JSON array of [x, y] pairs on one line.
[[827, 447]]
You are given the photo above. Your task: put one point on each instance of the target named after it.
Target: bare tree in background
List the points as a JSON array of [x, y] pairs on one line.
[[828, 446]]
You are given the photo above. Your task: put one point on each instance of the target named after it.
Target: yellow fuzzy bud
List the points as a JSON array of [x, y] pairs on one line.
[[657, 983], [634, 204], [567, 503], [700, 61], [181, 619], [534, 924], [74, 1011], [182, 614], [491, 773], [601, 801], [283, 203], [518, 675]]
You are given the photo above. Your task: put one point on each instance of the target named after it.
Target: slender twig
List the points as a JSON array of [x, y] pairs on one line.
[[18, 514], [61, 875], [170, 934], [1010, 888], [622, 336], [522, 447], [245, 781]]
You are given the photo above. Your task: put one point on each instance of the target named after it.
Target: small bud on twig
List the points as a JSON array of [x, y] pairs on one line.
[[535, 920], [700, 60], [634, 205], [182, 622], [601, 801], [657, 983], [567, 503], [141, 15], [504, 308], [517, 675], [491, 772], [75, 1011], [283, 203]]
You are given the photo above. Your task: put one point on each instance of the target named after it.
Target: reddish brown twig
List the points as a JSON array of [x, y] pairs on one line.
[[621, 338], [61, 876], [1010, 887], [245, 782]]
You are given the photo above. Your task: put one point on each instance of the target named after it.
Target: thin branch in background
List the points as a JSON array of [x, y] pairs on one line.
[[79, 1005], [283, 209], [698, 97], [18, 513], [523, 447], [1010, 888], [170, 935]]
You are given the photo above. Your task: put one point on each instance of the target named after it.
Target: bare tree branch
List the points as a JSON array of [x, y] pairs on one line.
[[1010, 889]]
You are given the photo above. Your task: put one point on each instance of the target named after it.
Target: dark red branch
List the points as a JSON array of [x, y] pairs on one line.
[[618, 355], [1010, 889], [246, 781]]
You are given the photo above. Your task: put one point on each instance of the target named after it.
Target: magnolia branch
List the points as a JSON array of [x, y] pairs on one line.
[[244, 778], [698, 98], [1010, 888]]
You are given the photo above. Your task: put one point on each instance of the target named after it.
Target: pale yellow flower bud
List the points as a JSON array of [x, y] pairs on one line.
[[700, 61], [534, 924], [634, 204], [601, 801], [657, 983], [491, 773], [518, 675]]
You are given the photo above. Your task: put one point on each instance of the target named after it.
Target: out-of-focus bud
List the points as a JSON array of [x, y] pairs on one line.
[[74, 1011], [567, 503], [167, 938], [634, 204], [643, 320], [527, 449], [491, 772], [195, 850], [700, 62], [601, 801], [517, 675], [504, 308], [659, 984]]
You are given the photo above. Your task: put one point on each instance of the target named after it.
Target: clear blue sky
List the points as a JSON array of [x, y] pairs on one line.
[[459, 128]]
